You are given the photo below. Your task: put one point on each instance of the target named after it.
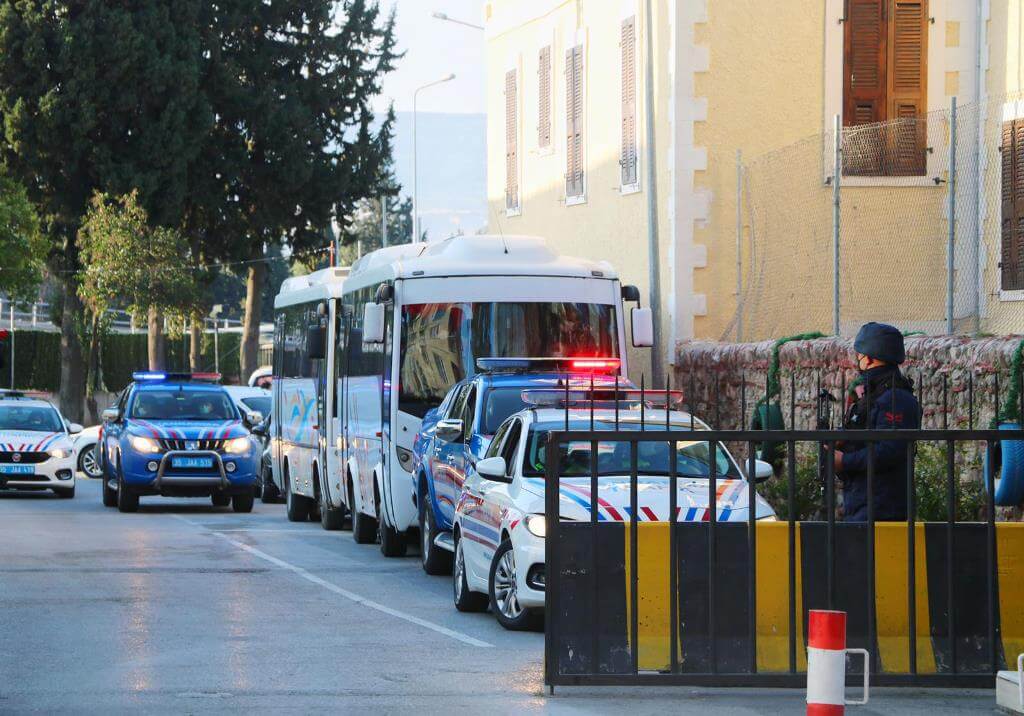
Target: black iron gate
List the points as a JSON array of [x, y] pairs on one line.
[[713, 602]]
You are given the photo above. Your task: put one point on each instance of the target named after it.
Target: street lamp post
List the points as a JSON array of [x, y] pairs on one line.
[[415, 158], [217, 308], [443, 16]]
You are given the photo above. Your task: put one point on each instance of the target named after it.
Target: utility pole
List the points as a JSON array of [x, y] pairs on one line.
[[383, 220], [837, 174], [951, 238], [654, 261]]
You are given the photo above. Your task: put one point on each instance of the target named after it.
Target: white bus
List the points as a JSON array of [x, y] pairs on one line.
[[388, 340]]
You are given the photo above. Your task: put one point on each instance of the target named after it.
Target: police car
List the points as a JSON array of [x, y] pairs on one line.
[[36, 451], [456, 434], [178, 435], [499, 524]]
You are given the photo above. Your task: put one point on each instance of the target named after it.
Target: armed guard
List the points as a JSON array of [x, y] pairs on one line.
[[883, 400]]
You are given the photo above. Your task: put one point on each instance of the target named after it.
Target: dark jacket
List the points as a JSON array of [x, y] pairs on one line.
[[888, 403]]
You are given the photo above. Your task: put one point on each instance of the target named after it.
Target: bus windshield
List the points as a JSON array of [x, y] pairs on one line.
[[441, 341]]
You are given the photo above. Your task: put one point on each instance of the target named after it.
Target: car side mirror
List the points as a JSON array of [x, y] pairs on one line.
[[111, 415], [253, 418], [373, 323], [450, 430], [763, 471], [75, 428], [643, 327], [316, 342], [493, 468]]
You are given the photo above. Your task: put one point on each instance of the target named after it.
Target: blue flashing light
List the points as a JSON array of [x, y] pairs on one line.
[[148, 375]]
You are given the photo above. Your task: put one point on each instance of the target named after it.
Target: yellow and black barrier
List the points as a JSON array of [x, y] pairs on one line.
[[593, 634]]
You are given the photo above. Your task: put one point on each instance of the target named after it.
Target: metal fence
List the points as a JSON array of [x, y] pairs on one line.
[[903, 224], [716, 602]]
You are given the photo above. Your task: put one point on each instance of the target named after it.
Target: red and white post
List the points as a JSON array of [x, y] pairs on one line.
[[826, 664]]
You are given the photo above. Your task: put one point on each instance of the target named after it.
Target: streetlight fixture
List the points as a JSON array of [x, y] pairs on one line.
[[415, 158], [443, 16], [214, 313]]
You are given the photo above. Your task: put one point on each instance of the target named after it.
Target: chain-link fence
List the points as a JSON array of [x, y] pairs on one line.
[[881, 246]]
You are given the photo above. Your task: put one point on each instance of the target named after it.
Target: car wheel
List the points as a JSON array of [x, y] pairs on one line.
[[503, 597], [109, 493], [297, 505], [269, 493], [465, 600], [434, 559], [364, 528], [88, 464], [219, 499], [243, 502], [65, 492], [127, 501]]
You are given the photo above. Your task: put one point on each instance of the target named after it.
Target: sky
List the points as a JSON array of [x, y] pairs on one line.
[[435, 48]]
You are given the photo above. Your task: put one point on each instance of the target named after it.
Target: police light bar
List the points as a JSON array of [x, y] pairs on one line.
[[156, 376], [549, 365], [4, 393], [601, 396]]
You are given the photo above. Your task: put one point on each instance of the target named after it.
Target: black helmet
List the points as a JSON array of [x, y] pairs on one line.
[[882, 342]]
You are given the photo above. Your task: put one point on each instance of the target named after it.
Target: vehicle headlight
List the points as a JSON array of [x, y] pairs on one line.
[[146, 445], [59, 453], [237, 446], [536, 525], [404, 458]]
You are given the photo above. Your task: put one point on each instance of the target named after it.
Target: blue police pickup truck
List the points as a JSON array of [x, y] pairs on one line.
[[178, 435]]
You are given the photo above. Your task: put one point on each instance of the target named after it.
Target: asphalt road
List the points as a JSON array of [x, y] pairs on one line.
[[187, 608]]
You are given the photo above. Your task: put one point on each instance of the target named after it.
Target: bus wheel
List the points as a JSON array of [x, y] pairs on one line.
[[364, 528], [331, 518], [392, 542], [297, 505]]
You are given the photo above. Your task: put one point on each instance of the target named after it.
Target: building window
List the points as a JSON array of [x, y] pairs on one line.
[[575, 188], [1011, 262], [511, 142], [885, 71], [544, 98], [628, 152]]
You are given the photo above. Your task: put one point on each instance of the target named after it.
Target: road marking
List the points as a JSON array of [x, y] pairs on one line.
[[352, 596]]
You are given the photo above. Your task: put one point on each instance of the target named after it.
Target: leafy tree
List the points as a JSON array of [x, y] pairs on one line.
[[365, 229], [99, 95], [290, 83], [21, 244], [128, 261]]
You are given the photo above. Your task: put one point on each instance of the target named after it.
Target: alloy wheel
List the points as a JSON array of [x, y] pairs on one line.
[[505, 586]]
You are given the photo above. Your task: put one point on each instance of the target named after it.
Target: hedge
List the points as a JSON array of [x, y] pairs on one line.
[[37, 358]]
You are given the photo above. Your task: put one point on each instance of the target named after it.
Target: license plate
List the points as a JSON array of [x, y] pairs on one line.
[[188, 463], [17, 470]]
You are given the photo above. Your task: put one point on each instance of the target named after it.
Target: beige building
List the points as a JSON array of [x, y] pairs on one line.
[[568, 156]]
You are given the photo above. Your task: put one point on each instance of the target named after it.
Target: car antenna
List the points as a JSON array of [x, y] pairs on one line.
[[501, 232]]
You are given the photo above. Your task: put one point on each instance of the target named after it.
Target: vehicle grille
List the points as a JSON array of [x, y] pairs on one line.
[[26, 458], [27, 478], [177, 444]]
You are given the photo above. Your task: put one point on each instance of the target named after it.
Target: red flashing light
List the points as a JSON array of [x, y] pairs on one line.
[[206, 376], [596, 365], [4, 334]]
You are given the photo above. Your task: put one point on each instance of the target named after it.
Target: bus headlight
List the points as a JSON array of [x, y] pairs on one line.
[[404, 458], [536, 525], [237, 446], [144, 445]]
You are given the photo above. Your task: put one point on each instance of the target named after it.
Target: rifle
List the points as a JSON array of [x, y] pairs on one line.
[[824, 422]]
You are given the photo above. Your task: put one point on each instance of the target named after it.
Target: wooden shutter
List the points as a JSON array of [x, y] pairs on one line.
[[864, 62], [544, 97], [574, 121], [511, 142], [1012, 256], [628, 158], [908, 43]]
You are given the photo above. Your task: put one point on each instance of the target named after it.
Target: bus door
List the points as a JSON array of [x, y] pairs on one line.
[[333, 418]]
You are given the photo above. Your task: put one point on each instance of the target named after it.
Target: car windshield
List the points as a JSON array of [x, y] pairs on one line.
[[498, 405], [30, 417], [653, 458], [182, 404], [441, 341], [258, 403]]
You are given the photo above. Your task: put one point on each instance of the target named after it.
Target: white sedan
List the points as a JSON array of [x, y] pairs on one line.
[[86, 459], [35, 445], [499, 525]]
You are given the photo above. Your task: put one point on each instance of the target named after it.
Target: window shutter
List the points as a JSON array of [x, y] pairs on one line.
[[511, 141], [544, 98], [1012, 259], [574, 121], [628, 160], [908, 40], [864, 48]]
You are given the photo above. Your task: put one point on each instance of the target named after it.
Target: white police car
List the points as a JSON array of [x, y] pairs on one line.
[[499, 525], [36, 451]]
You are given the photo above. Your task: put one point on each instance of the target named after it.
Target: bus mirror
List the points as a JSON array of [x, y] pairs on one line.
[[385, 293], [643, 327], [373, 323], [316, 342], [631, 293]]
